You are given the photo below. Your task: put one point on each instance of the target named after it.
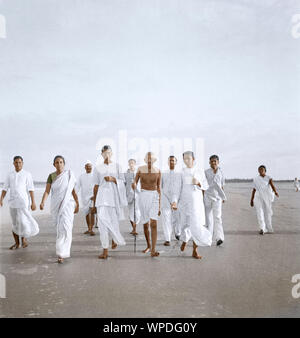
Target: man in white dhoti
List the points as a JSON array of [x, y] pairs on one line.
[[109, 199], [296, 184], [85, 184], [214, 197], [262, 198], [64, 204], [170, 188], [149, 198], [191, 207], [20, 184], [132, 197]]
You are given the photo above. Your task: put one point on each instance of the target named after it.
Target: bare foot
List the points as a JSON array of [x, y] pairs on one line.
[[104, 254], [196, 255], [167, 243], [14, 247], [86, 232], [114, 245], [60, 260], [92, 233], [146, 250], [183, 245], [154, 254], [134, 233], [25, 245]]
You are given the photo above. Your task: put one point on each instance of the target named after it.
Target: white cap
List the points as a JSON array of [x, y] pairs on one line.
[[88, 162]]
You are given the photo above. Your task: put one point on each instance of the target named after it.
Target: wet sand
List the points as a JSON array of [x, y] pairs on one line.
[[249, 276]]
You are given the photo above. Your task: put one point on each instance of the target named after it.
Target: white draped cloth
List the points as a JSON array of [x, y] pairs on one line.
[[19, 185], [263, 200], [191, 208], [62, 211], [132, 197], [85, 185], [170, 187], [110, 201], [149, 205]]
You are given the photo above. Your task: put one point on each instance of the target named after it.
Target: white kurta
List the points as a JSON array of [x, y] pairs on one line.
[[132, 197], [110, 200], [296, 185], [263, 199], [85, 185], [19, 184], [170, 188], [191, 208], [213, 200], [62, 211]]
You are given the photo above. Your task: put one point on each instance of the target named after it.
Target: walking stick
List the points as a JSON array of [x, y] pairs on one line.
[[134, 218]]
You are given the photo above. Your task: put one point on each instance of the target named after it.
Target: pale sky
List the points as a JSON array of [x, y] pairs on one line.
[[75, 71]]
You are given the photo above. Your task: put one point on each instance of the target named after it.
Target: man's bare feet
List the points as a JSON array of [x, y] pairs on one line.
[[60, 260], [146, 250], [104, 254], [86, 232], [167, 243], [196, 255], [183, 245], [134, 233], [113, 245], [14, 247], [154, 254], [24, 244], [92, 233]]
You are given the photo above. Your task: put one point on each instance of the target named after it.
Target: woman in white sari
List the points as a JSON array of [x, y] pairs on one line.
[[262, 198], [191, 206], [64, 204]]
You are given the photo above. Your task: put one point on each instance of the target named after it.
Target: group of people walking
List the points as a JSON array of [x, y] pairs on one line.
[[189, 202]]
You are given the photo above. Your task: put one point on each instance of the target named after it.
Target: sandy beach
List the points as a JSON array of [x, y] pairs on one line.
[[249, 276]]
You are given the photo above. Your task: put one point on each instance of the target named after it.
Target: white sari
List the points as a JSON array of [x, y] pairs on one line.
[[191, 208], [62, 211], [264, 192], [263, 200]]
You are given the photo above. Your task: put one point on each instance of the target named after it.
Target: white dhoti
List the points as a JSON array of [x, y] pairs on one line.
[[24, 224], [110, 201], [149, 205], [213, 217], [108, 222], [191, 209], [190, 228], [87, 207]]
